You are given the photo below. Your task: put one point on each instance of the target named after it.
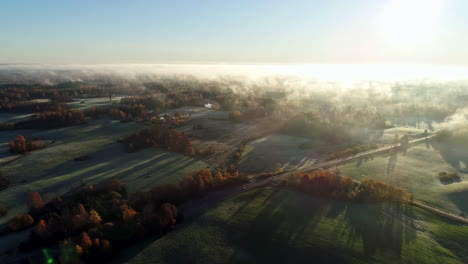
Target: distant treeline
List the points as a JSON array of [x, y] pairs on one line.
[[15, 97], [121, 112]]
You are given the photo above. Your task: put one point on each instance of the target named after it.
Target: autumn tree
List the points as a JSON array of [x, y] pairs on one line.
[[94, 217], [35, 203], [19, 145], [85, 241], [20, 222]]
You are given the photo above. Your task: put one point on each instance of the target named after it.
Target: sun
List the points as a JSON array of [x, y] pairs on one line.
[[409, 22]]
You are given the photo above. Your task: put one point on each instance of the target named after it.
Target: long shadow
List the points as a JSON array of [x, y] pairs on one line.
[[272, 236], [460, 199], [392, 161], [123, 167], [382, 227]]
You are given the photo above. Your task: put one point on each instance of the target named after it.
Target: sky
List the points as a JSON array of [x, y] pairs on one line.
[[237, 31]]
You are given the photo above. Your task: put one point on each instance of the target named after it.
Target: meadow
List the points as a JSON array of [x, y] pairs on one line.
[[417, 172], [270, 225], [53, 170], [274, 152]]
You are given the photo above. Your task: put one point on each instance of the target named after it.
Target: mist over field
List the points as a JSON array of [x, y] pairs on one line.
[[347, 73], [173, 132]]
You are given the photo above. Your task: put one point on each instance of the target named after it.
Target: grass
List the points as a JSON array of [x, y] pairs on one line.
[[284, 226], [275, 151], [53, 170], [417, 172], [94, 102]]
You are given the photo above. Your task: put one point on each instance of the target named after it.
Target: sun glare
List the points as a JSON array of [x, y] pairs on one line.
[[409, 22]]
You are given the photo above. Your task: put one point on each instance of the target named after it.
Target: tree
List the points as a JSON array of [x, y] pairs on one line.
[[85, 241], [69, 252], [19, 145], [41, 228], [235, 116], [127, 213], [168, 214], [20, 222], [35, 203], [94, 217]]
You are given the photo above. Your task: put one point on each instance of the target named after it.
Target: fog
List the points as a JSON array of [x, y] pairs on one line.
[[345, 74]]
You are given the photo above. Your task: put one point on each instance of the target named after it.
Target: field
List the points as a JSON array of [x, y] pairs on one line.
[[272, 152], [86, 103], [53, 170], [417, 172], [284, 226]]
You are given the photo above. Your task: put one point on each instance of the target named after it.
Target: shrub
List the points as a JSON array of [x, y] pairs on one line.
[[235, 116], [447, 178]]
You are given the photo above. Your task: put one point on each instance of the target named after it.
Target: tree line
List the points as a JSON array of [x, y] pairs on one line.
[[21, 146], [160, 136], [329, 184]]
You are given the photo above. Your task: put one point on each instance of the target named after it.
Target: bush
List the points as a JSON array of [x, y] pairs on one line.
[[235, 116], [447, 178]]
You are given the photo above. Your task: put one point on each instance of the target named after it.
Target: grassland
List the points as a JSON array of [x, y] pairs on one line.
[[53, 170], [86, 103], [284, 226], [417, 172], [275, 151]]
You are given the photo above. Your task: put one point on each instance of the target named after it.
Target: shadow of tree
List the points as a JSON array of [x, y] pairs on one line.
[[272, 235], [460, 199], [381, 227], [392, 162]]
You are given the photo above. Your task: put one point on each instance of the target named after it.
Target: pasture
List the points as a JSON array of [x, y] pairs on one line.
[[416, 172], [276, 151], [53, 170], [271, 225]]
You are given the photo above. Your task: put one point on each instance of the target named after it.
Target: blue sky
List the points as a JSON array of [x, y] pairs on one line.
[[241, 31]]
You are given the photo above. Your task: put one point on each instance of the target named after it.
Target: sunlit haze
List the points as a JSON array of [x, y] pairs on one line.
[[278, 32]]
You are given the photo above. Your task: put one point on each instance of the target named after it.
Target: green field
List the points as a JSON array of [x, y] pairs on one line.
[[417, 172], [269, 153], [52, 170], [284, 226], [93, 102]]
